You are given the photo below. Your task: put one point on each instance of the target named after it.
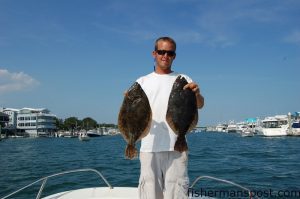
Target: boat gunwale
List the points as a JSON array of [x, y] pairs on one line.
[[44, 181]]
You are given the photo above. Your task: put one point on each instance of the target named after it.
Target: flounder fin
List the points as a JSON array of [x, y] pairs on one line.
[[147, 129], [171, 124], [194, 123]]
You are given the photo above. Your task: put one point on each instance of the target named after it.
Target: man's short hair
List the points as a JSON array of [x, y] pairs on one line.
[[169, 39]]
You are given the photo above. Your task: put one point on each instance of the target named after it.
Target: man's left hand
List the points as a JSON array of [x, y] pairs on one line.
[[193, 86]]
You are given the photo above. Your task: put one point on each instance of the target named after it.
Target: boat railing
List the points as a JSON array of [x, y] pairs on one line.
[[221, 180], [44, 181]]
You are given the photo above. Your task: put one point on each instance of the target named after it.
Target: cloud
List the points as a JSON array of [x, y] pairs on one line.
[[213, 23], [223, 23], [11, 82], [293, 37]]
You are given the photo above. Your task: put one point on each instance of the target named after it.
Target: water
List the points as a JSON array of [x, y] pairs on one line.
[[257, 163]]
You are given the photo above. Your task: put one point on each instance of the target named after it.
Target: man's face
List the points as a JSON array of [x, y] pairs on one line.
[[164, 60]]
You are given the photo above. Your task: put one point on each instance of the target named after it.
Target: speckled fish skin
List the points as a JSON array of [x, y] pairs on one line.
[[134, 118], [182, 113]]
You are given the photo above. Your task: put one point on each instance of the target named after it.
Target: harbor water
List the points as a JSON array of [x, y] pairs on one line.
[[268, 166]]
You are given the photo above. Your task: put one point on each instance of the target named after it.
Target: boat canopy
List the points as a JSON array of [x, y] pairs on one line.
[[251, 120]]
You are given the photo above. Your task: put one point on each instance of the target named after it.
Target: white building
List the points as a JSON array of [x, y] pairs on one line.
[[3, 120], [12, 117], [34, 122]]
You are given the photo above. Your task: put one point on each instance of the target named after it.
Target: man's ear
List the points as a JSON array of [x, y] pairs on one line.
[[154, 54]]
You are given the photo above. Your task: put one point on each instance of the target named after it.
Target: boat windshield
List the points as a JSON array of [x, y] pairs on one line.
[[296, 125], [271, 124], [274, 124]]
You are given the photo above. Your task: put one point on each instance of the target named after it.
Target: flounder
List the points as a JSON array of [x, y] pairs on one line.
[[182, 113], [134, 118]]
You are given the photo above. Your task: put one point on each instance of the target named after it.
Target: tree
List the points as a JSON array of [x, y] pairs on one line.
[[74, 124], [60, 124], [71, 123], [108, 125], [89, 123]]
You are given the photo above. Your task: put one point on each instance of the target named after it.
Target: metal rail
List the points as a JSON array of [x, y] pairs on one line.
[[221, 180], [44, 181]]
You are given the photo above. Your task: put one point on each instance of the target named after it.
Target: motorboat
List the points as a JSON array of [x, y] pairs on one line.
[[93, 133], [274, 126], [295, 130], [83, 137], [241, 127], [69, 134], [232, 127], [107, 192], [247, 132], [246, 129], [221, 128]]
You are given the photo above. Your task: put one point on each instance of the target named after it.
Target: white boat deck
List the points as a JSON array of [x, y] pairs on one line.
[[103, 193], [98, 192]]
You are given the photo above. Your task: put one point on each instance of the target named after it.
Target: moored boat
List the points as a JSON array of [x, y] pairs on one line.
[[221, 128], [93, 133], [295, 130], [232, 127], [83, 137], [274, 126], [247, 133]]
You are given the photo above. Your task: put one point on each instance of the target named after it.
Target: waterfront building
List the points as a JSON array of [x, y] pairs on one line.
[[28, 121], [4, 118], [36, 122], [3, 122], [12, 113]]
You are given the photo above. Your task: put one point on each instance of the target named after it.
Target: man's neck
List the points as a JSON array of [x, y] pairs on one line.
[[162, 72]]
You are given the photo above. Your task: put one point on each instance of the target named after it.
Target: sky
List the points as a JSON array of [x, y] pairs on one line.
[[77, 57]]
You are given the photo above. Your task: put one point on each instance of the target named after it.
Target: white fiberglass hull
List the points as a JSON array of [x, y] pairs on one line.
[[247, 134], [84, 138], [295, 132], [274, 132]]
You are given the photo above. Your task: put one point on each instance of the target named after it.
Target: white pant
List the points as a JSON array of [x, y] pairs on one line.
[[163, 175]]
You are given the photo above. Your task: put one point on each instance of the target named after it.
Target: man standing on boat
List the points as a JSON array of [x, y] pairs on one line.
[[163, 170]]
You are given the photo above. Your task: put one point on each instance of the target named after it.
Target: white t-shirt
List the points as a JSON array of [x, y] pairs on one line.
[[158, 88]]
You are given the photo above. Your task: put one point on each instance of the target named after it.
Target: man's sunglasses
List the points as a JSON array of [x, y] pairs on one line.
[[163, 52]]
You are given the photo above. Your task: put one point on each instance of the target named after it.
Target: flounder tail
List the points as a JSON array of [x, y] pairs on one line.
[[180, 144], [131, 152]]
